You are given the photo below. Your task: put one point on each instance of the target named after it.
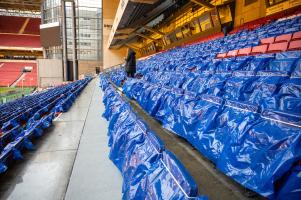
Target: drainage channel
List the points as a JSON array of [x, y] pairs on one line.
[[210, 181]]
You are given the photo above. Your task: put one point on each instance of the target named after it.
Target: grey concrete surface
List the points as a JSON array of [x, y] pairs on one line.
[[94, 176], [75, 137]]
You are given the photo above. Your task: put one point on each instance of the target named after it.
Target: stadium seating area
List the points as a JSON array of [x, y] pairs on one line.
[[26, 118], [20, 32], [30, 79], [26, 41], [235, 100], [12, 71], [11, 24], [149, 170]]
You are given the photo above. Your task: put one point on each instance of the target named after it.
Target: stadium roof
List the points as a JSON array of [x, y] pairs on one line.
[[33, 5]]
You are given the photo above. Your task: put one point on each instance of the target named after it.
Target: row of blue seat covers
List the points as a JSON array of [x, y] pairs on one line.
[[243, 113], [30, 115], [149, 170], [257, 149]]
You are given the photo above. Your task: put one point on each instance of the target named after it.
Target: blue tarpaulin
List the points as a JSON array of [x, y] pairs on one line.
[[257, 149], [148, 169]]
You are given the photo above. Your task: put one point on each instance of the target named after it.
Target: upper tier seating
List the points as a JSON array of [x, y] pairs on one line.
[[240, 111], [11, 24], [33, 26]]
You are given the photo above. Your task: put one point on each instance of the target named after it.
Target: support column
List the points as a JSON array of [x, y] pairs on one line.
[[64, 46], [74, 42]]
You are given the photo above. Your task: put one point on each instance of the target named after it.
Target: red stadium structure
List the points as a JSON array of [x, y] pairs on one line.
[[18, 35]]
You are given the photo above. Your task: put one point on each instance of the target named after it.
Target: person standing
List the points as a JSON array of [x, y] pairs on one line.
[[130, 66]]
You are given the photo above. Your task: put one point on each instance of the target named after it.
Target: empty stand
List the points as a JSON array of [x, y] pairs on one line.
[[295, 45], [33, 26], [297, 36], [283, 38], [259, 49], [277, 47], [244, 51], [10, 72], [232, 53], [269, 40], [229, 109], [26, 118], [30, 78], [12, 24], [26, 41], [221, 55]]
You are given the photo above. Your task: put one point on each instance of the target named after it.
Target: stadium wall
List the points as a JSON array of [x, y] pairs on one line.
[[111, 57], [88, 66], [246, 13], [50, 72]]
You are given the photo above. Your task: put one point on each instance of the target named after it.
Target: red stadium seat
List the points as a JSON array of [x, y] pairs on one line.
[[295, 45], [232, 53], [278, 47], [259, 49], [297, 36], [267, 40], [244, 51], [283, 38], [12, 40], [221, 55]]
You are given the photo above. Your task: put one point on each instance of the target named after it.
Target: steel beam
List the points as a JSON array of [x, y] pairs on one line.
[[153, 30], [132, 46], [64, 46], [203, 3], [146, 37], [74, 44]]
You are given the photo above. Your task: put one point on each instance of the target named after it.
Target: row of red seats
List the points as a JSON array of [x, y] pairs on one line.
[[9, 73], [12, 71], [268, 45], [27, 41], [30, 79]]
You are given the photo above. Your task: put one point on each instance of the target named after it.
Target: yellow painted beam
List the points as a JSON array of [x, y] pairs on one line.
[[24, 26], [132, 46], [146, 37], [153, 30], [203, 3]]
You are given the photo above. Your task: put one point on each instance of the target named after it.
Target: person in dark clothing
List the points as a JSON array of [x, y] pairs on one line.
[[130, 66], [227, 28]]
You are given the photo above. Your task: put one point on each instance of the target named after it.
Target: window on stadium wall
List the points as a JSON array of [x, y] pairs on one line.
[[88, 28], [196, 25]]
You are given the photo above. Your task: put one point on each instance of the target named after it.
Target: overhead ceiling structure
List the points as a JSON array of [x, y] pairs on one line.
[[133, 15], [32, 5]]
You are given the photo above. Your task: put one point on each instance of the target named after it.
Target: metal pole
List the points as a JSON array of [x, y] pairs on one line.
[[74, 44], [64, 34], [42, 22]]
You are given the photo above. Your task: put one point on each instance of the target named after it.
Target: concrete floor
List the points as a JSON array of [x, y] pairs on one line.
[[71, 159]]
